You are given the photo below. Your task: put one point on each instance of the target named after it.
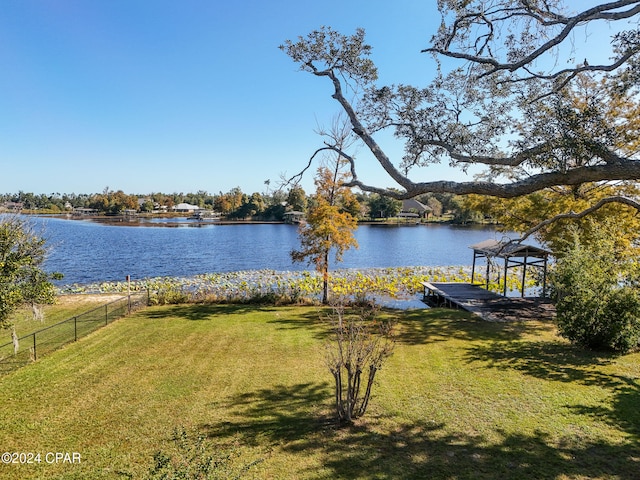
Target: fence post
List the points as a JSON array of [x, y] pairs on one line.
[[106, 314], [35, 355], [75, 329], [129, 293]]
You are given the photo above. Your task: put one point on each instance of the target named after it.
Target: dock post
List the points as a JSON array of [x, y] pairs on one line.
[[506, 267], [524, 273], [488, 272], [473, 267]]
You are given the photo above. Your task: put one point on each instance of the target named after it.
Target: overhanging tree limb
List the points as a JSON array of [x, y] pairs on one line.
[[566, 140], [623, 171], [546, 18], [573, 216]]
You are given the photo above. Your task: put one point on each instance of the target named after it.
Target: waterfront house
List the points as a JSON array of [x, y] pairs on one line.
[[293, 217], [13, 206], [412, 208], [185, 208], [84, 211]]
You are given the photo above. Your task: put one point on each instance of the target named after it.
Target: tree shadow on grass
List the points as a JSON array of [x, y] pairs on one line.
[[281, 414], [202, 311], [421, 326], [551, 360], [624, 412], [439, 324], [286, 417], [562, 362], [313, 320]]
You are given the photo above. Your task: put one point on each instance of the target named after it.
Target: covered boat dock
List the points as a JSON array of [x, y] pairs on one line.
[[490, 305], [513, 254]]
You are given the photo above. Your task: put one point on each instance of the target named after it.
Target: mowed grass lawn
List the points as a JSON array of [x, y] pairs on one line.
[[459, 399], [66, 307]]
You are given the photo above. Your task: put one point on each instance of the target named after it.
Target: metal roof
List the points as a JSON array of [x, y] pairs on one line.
[[413, 204], [506, 249]]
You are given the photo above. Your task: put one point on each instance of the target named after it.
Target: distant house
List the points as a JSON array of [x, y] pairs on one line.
[[185, 208], [13, 206], [204, 214], [85, 211], [293, 217], [412, 208]]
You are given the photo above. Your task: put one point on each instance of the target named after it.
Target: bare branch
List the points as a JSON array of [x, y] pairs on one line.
[[360, 130], [570, 73], [624, 170], [606, 11], [571, 215], [298, 176], [512, 161]]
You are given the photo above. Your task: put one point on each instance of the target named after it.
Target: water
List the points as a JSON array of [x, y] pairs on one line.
[[88, 252]]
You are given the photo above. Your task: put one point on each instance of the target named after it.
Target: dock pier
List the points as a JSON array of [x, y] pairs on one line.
[[485, 304]]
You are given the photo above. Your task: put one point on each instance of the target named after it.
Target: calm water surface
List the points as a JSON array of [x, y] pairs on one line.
[[88, 252]]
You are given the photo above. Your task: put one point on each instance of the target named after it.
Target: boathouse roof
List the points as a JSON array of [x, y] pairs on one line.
[[506, 249]]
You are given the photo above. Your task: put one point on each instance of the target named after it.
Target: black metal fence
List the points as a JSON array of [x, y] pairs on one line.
[[26, 349]]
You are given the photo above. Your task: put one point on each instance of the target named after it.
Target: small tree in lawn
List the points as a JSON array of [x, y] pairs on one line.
[[329, 226], [354, 356], [22, 280]]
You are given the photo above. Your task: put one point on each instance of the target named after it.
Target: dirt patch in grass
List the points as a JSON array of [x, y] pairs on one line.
[[83, 299]]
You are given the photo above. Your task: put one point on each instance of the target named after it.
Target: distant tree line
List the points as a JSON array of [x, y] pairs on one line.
[[235, 204]]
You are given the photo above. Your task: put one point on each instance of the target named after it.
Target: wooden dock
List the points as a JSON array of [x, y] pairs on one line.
[[487, 305]]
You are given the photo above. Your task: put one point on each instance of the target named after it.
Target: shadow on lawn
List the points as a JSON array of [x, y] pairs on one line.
[[440, 324], [313, 320], [285, 417], [561, 362], [202, 311], [418, 327]]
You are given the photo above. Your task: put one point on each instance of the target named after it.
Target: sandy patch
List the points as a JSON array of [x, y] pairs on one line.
[[79, 299]]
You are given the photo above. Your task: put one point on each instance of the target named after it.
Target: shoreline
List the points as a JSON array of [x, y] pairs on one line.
[[394, 287], [173, 221], [266, 278]]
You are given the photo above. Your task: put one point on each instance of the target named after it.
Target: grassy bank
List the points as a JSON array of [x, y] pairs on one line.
[[460, 398], [66, 306]]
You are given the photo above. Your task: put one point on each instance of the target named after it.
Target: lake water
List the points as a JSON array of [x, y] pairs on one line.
[[88, 252]]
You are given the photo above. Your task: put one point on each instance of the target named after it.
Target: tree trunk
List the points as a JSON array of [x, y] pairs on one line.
[[325, 279]]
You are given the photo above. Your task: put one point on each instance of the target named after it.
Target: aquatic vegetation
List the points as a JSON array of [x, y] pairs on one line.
[[291, 287], [280, 287]]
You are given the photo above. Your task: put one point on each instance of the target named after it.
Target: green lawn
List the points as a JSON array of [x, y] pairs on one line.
[[65, 307], [459, 399]]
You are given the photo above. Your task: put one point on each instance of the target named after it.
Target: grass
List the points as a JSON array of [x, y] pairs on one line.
[[71, 317], [66, 306], [459, 398]]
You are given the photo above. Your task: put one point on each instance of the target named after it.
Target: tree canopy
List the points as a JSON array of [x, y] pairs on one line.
[[330, 220], [504, 98], [22, 279]]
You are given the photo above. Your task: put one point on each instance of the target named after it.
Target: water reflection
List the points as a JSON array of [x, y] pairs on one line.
[[87, 252]]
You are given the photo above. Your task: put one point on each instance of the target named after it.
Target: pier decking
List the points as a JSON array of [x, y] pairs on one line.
[[487, 305]]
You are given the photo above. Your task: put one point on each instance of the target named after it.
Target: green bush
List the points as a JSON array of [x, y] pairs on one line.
[[597, 305], [601, 320], [196, 457]]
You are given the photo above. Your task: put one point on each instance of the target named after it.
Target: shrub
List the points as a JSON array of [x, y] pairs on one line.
[[596, 304], [194, 457], [359, 347]]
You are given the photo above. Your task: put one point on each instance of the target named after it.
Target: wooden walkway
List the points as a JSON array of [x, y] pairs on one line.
[[487, 305]]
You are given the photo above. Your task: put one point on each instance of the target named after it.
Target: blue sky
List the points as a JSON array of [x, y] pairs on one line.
[[175, 96], [179, 96]]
